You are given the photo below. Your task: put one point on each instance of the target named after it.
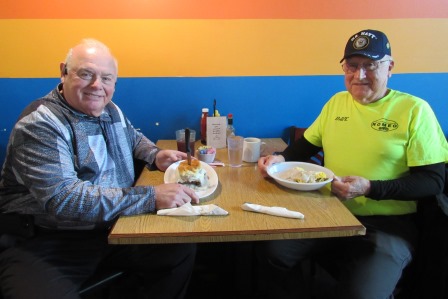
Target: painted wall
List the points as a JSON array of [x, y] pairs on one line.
[[270, 63]]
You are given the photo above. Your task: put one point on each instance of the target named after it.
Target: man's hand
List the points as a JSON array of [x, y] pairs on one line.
[[174, 195], [350, 187], [165, 158], [265, 162]]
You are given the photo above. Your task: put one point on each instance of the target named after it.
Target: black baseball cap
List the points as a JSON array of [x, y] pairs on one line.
[[370, 43]]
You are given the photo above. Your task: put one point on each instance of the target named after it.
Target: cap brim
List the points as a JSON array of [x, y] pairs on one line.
[[373, 56]]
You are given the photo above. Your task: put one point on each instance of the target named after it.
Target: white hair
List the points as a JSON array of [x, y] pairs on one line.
[[388, 57]]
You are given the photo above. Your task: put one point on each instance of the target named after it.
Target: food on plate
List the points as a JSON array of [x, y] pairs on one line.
[[194, 176], [300, 175]]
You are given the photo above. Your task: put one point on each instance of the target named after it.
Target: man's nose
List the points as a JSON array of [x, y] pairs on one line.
[[360, 72], [96, 81]]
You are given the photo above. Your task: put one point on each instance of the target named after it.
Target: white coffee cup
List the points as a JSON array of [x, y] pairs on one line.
[[251, 149]]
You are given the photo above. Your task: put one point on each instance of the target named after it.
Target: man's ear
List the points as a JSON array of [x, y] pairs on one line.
[[391, 66], [63, 69]]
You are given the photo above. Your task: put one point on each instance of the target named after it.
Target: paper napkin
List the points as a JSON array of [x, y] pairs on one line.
[[275, 211], [216, 163], [189, 210]]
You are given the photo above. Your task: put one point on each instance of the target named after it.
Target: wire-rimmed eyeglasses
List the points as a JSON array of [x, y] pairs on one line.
[[89, 76], [352, 67]]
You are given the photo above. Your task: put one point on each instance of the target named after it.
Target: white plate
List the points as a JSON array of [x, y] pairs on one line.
[[171, 176], [276, 170]]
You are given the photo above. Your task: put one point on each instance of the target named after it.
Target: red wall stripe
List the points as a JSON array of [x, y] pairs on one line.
[[218, 9]]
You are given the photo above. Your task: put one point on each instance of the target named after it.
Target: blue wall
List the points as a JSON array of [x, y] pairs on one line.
[[262, 106]]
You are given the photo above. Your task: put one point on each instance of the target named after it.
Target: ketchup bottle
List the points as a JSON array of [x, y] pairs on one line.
[[204, 125]]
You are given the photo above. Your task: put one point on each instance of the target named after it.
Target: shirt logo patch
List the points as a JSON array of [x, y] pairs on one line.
[[384, 125]]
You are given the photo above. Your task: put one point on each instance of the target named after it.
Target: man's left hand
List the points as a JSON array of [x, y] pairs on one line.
[[350, 187], [165, 158]]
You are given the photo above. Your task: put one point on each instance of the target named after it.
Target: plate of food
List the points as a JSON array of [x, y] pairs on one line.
[[300, 175], [199, 176]]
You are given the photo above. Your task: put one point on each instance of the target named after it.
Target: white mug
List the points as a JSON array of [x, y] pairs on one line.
[[251, 149]]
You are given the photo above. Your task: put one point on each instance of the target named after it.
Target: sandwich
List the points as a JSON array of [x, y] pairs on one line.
[[194, 176]]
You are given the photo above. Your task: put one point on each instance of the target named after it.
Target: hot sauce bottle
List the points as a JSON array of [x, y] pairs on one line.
[[204, 125]]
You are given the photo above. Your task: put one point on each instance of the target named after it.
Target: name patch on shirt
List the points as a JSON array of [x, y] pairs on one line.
[[341, 118]]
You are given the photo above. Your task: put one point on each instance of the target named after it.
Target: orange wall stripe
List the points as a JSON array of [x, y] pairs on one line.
[[219, 9], [195, 48]]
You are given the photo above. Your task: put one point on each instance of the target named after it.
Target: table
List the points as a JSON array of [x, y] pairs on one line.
[[325, 215]]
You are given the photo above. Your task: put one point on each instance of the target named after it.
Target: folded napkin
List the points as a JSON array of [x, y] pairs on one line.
[[189, 210], [216, 163], [276, 211]]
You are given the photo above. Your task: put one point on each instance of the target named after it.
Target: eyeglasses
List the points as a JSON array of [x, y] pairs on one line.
[[351, 67], [89, 76]]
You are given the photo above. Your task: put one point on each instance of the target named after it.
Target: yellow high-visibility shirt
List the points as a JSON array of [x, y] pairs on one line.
[[378, 141]]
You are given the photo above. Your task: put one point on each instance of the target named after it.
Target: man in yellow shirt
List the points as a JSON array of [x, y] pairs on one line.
[[388, 151]]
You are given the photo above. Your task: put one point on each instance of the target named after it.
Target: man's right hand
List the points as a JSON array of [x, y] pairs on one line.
[[174, 195], [265, 162]]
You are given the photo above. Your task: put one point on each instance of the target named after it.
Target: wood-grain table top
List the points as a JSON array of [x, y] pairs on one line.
[[325, 215]]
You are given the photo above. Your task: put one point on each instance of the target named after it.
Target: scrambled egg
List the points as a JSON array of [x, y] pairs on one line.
[[300, 175]]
